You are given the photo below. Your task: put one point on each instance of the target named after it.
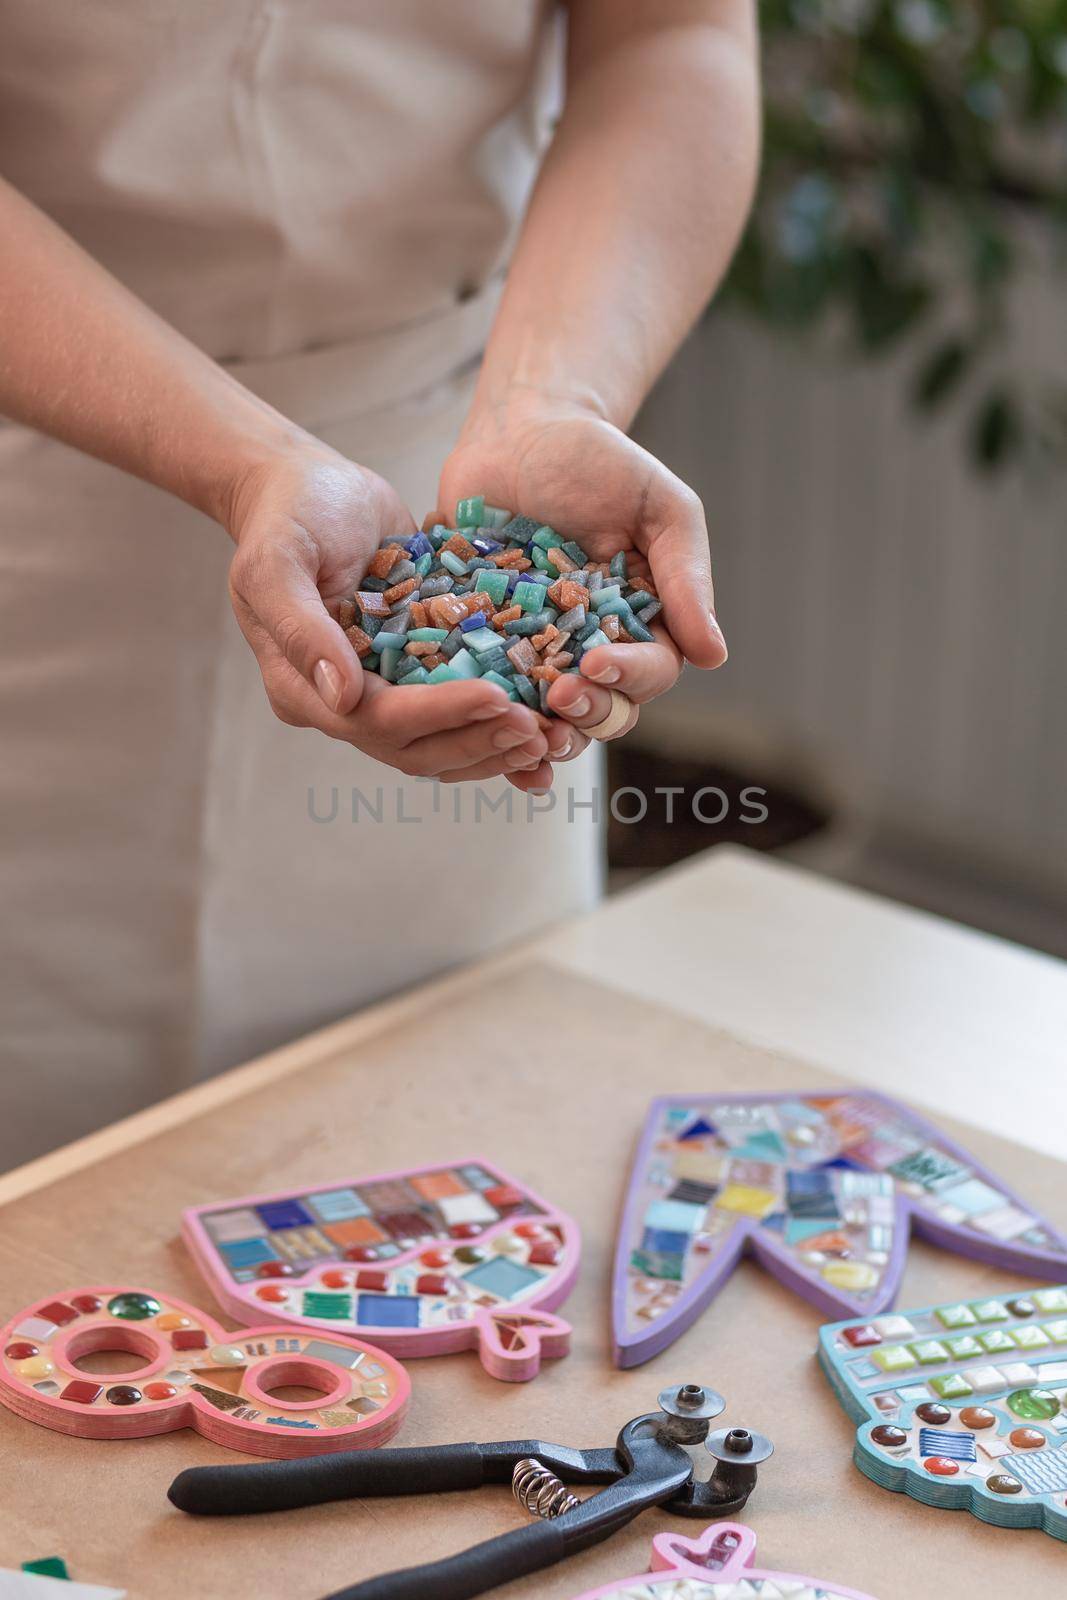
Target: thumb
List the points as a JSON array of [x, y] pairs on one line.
[[280, 592], [680, 559]]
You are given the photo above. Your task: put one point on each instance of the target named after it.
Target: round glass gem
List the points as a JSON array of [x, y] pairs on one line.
[[274, 1269], [123, 1394], [889, 1436], [36, 1367], [21, 1350], [1004, 1483], [1027, 1438], [228, 1355], [1034, 1405], [134, 1307]]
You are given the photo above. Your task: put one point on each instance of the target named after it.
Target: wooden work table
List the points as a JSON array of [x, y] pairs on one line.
[[733, 972]]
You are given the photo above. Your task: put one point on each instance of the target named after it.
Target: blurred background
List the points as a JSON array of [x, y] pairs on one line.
[[875, 414]]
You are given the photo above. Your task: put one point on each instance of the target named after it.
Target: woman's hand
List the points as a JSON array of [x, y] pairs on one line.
[[306, 525], [563, 464]]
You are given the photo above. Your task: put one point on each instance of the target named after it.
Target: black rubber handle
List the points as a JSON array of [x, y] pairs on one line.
[[471, 1572], [311, 1480]]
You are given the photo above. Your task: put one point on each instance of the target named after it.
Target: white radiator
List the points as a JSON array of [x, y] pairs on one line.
[[897, 626]]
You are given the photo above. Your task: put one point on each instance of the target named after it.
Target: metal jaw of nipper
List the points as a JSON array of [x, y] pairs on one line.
[[648, 1466]]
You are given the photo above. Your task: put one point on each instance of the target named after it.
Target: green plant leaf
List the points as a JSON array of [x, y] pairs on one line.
[[942, 372], [996, 431], [885, 302]]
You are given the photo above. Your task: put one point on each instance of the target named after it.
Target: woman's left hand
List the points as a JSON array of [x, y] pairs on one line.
[[568, 467]]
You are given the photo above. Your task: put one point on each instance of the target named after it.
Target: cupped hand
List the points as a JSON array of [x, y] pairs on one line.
[[306, 525], [570, 468]]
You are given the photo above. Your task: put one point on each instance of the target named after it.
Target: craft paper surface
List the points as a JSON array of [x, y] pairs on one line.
[[428, 1090]]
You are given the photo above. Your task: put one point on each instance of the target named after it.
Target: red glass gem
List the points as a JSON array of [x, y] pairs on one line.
[[361, 1252], [335, 1279], [189, 1339], [504, 1197], [430, 1283], [123, 1394], [57, 1311], [21, 1350], [529, 1230], [274, 1269], [861, 1336], [372, 1280], [544, 1255], [86, 1303], [465, 1230], [159, 1391], [82, 1392], [272, 1293], [435, 1258], [941, 1466]]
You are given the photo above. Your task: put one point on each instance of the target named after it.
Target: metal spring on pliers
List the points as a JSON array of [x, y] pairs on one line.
[[539, 1491]]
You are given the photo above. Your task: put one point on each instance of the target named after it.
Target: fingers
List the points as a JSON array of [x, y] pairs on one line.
[[496, 768], [482, 750], [530, 782], [399, 716], [680, 559], [564, 740], [271, 585], [564, 743], [584, 703], [641, 672], [485, 731]]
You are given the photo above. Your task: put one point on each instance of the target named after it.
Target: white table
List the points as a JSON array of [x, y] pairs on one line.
[[952, 1019]]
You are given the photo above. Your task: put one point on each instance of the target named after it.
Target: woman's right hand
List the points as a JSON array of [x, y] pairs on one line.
[[306, 524]]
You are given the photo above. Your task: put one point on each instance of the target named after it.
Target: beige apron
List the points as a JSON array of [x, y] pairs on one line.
[[313, 191]]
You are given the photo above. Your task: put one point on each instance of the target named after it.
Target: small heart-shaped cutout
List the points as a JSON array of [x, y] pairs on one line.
[[512, 1344], [725, 1548]]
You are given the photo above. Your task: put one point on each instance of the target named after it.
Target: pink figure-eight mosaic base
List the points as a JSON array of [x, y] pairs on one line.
[[190, 1373]]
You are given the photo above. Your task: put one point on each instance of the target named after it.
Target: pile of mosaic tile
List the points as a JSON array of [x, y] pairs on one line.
[[498, 597]]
